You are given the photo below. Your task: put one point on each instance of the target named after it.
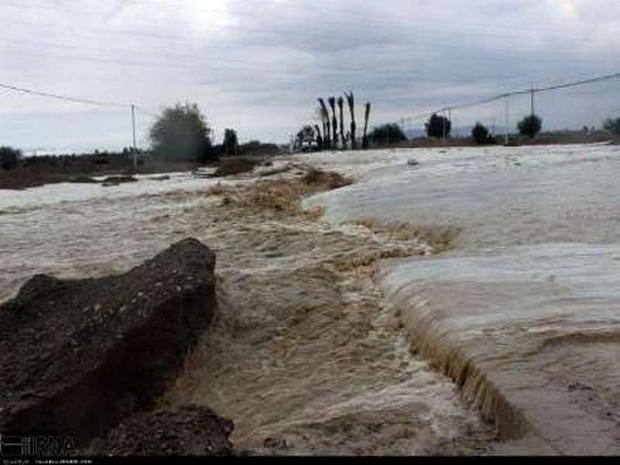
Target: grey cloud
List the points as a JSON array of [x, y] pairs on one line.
[[262, 70]]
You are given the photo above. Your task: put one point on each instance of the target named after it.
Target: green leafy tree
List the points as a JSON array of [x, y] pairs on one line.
[[438, 126], [181, 132], [9, 157], [612, 125], [481, 135], [387, 134], [230, 141], [530, 126]]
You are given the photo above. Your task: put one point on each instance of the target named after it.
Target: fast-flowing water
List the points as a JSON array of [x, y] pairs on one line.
[[524, 313], [305, 359]]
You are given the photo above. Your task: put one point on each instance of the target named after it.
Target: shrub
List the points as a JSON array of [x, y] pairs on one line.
[[530, 126], [481, 134], [9, 157], [438, 126], [386, 134], [612, 125]]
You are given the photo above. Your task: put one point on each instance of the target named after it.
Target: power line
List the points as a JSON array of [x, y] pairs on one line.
[[86, 102], [62, 97], [516, 92]]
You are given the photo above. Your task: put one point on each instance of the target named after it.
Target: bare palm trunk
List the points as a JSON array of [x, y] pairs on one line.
[[342, 139], [366, 115], [319, 139], [351, 104], [332, 104], [326, 128]]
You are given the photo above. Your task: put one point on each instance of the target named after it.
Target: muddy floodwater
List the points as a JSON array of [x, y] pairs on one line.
[[507, 343], [524, 314], [305, 355]]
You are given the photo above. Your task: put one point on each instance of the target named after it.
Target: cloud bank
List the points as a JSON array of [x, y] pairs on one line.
[[258, 66]]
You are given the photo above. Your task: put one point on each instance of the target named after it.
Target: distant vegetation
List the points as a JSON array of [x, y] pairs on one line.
[[387, 134], [438, 126], [230, 143], [331, 135], [253, 148], [481, 135], [530, 126], [612, 125], [181, 132], [9, 157]]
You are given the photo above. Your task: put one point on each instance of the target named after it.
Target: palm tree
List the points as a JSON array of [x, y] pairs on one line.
[[332, 104], [351, 104], [325, 116], [366, 115], [319, 139], [342, 139]]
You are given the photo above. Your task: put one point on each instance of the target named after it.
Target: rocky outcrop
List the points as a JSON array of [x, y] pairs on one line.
[[78, 356], [191, 430]]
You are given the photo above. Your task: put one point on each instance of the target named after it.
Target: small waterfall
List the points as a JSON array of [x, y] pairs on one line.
[[435, 342]]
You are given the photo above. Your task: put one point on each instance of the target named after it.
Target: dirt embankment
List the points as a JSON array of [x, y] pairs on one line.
[[78, 356]]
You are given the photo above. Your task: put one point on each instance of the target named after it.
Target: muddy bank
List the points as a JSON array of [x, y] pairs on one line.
[[183, 431], [77, 356]]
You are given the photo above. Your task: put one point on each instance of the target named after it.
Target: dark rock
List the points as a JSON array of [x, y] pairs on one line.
[[190, 430], [77, 356]]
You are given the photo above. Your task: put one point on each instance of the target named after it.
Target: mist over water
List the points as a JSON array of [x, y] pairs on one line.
[[525, 312]]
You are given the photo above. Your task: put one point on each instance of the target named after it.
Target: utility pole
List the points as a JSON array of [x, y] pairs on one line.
[[506, 130], [135, 149]]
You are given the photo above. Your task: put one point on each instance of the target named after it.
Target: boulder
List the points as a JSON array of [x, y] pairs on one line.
[[77, 356], [191, 430]]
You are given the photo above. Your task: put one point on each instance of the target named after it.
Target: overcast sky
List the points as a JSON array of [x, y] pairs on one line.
[[258, 66]]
